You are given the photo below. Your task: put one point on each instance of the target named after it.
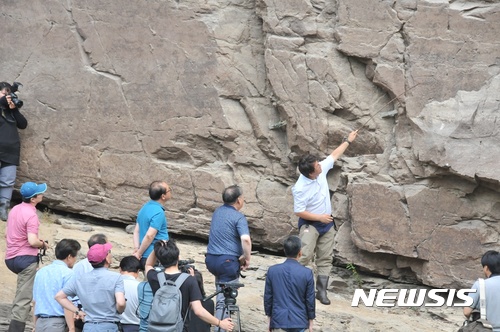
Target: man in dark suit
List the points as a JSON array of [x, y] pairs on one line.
[[289, 293]]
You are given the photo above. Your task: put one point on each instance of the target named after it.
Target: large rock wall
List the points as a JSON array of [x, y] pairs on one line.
[[205, 94]]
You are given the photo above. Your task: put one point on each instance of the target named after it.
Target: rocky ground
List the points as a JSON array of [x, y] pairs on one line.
[[339, 316]]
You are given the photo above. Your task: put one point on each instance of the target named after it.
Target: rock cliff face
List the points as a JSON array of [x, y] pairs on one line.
[[206, 93]]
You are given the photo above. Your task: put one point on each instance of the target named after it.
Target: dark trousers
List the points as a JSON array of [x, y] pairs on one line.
[[224, 267], [130, 328], [194, 323]]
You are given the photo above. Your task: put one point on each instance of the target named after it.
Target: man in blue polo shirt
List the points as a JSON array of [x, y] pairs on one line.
[[289, 292], [151, 224], [229, 243], [311, 203], [49, 315]]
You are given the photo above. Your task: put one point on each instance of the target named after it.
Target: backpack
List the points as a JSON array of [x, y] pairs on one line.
[[480, 324], [166, 310]]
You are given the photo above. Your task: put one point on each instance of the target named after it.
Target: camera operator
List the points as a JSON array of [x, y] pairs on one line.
[[168, 255], [10, 145], [196, 324]]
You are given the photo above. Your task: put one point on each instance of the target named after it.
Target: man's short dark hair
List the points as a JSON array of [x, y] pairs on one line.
[[306, 164], [130, 264], [98, 238], [156, 189], [67, 247], [98, 265], [491, 259], [292, 246], [231, 194], [167, 253]]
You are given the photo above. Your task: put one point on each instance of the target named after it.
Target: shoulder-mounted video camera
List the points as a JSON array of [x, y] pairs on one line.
[[185, 265]]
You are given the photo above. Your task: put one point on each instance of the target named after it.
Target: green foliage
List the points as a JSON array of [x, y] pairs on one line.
[[355, 274]]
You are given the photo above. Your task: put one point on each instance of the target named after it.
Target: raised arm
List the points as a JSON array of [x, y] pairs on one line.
[[150, 262], [339, 151]]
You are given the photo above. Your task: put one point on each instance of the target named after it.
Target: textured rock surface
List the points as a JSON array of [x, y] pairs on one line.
[[209, 93]]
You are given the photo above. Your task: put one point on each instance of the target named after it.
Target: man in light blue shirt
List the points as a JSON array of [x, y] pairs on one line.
[[491, 268], [101, 292], [151, 225], [312, 204], [49, 315], [83, 266]]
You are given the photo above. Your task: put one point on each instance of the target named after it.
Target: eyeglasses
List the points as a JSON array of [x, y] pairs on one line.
[[169, 190]]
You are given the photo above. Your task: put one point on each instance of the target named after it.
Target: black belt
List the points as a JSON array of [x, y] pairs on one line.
[[48, 316]]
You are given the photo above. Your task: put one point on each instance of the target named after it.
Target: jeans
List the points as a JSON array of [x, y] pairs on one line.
[[7, 180]]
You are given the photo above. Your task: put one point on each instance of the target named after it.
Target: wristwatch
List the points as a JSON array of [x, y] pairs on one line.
[[346, 140]]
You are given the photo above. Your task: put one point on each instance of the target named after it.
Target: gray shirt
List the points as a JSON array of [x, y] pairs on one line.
[[96, 290]]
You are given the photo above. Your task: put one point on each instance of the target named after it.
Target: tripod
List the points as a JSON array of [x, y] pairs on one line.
[[232, 310]]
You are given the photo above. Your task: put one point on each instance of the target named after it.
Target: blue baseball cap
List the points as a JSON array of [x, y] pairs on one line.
[[30, 189]]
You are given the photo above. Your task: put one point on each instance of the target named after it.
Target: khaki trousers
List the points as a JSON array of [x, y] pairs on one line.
[[24, 294], [318, 247]]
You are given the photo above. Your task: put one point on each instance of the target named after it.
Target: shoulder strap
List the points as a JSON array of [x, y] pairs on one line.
[[178, 283], [180, 280], [161, 278], [482, 298]]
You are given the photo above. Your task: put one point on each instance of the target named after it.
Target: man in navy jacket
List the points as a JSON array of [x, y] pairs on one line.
[[289, 293]]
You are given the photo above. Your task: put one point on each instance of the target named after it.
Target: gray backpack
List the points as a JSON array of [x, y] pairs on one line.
[[166, 310]]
